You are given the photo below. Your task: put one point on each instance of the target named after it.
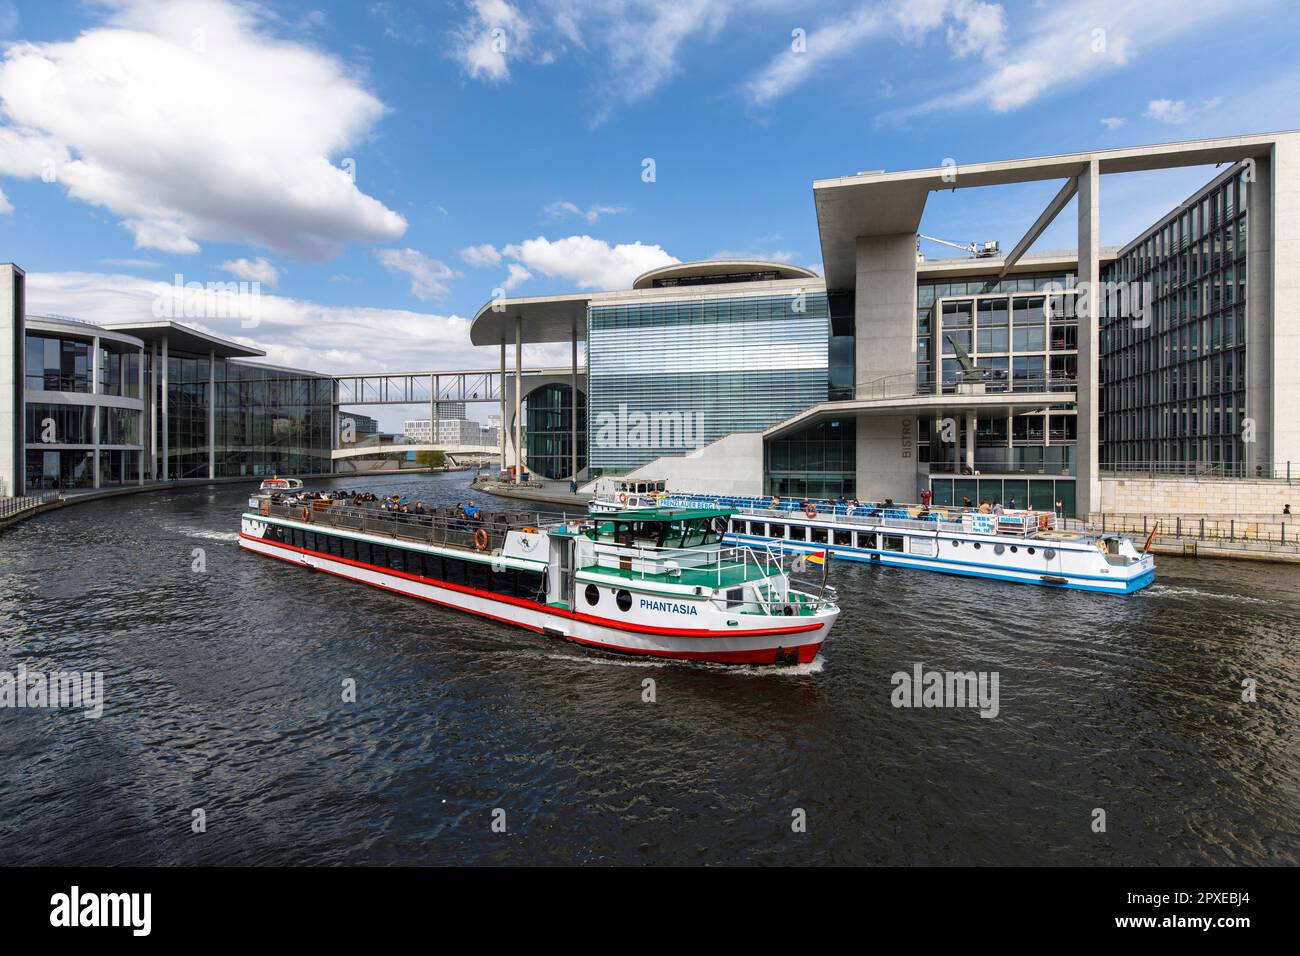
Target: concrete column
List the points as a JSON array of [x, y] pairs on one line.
[[212, 414], [501, 436], [94, 410], [972, 422], [433, 408], [519, 397], [153, 411], [573, 415], [13, 356], [166, 468], [1279, 292], [140, 392], [1087, 450]]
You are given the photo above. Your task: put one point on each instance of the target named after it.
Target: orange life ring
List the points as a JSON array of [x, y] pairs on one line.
[[304, 514], [622, 497], [810, 510], [480, 539]]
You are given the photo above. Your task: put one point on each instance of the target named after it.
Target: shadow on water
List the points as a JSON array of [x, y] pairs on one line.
[[224, 692]]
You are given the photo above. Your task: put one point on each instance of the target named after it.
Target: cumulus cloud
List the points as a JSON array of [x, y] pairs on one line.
[[1112, 122], [588, 263], [294, 332], [429, 277], [479, 256], [189, 121], [516, 276], [253, 270]]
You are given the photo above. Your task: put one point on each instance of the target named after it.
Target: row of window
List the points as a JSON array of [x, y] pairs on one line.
[[870, 540], [512, 582]]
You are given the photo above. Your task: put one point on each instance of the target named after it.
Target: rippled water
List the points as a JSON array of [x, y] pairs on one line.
[[223, 693]]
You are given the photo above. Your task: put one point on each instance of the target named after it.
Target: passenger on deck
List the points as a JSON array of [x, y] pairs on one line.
[[965, 501], [985, 508], [471, 511], [997, 508]]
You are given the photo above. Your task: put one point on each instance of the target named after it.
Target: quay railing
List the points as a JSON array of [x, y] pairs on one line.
[[1287, 471], [1220, 529], [438, 526], [14, 506]]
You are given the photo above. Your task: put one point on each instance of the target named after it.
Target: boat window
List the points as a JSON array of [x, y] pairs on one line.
[[624, 599], [818, 535], [592, 594], [735, 597], [866, 539], [776, 531], [844, 538], [891, 542], [1031, 550], [798, 532]]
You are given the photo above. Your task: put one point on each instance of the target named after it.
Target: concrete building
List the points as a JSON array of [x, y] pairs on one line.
[[1016, 376]]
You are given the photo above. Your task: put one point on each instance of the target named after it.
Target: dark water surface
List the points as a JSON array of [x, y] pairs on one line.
[[224, 693]]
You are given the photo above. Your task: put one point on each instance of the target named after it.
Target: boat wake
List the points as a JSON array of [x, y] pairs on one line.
[[208, 535], [1169, 590]]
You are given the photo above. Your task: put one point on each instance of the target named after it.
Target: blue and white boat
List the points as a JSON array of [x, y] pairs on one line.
[[1020, 546]]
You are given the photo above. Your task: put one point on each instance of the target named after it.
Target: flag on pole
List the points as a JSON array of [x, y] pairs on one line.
[[1151, 537], [817, 557]]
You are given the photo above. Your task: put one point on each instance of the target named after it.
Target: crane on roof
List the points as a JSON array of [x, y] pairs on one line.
[[980, 250]]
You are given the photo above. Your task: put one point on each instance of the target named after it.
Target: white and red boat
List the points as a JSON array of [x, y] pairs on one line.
[[655, 581]]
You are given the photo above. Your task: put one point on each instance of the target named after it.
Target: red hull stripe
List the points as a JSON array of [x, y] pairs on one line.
[[531, 605]]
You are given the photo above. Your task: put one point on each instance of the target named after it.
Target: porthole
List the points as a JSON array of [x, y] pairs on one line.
[[956, 543], [1049, 554], [1014, 549], [593, 594], [998, 548], [977, 545], [624, 599], [1031, 550]]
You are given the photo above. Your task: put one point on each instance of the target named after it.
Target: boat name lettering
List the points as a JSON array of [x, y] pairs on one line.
[[672, 606]]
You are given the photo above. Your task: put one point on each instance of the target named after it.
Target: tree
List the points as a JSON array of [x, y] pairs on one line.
[[429, 459]]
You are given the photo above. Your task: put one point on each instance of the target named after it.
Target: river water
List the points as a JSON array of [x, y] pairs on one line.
[[223, 693]]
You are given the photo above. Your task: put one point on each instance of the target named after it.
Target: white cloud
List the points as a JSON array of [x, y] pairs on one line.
[[589, 263], [1176, 112], [429, 277], [6, 207], [1112, 122], [189, 121], [632, 47], [1068, 43], [254, 270], [562, 208], [495, 33], [971, 28], [517, 276], [479, 256], [294, 332]]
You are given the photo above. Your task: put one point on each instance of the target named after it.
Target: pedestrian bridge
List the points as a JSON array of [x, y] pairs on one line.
[[378, 449]]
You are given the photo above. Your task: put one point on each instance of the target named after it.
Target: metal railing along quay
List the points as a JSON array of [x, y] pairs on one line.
[[15, 506], [1218, 529]]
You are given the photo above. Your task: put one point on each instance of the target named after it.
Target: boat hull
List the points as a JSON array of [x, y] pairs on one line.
[[788, 643]]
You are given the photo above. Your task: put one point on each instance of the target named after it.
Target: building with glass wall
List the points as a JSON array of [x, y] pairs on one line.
[[1174, 377], [99, 406]]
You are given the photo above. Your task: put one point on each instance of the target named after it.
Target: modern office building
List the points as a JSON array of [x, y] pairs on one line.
[[1016, 376], [95, 406]]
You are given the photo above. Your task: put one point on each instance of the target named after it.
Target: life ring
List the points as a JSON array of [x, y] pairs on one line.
[[810, 510], [622, 497], [1044, 521], [304, 514], [480, 540]]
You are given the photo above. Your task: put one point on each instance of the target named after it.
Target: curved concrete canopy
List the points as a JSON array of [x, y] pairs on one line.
[[720, 268]]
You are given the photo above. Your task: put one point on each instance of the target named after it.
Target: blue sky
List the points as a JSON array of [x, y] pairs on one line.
[[501, 144]]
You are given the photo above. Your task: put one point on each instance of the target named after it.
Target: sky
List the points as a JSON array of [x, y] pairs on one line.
[[381, 167]]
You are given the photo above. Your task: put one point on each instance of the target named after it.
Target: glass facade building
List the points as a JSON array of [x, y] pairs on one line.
[[548, 430], [1173, 379], [667, 376]]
